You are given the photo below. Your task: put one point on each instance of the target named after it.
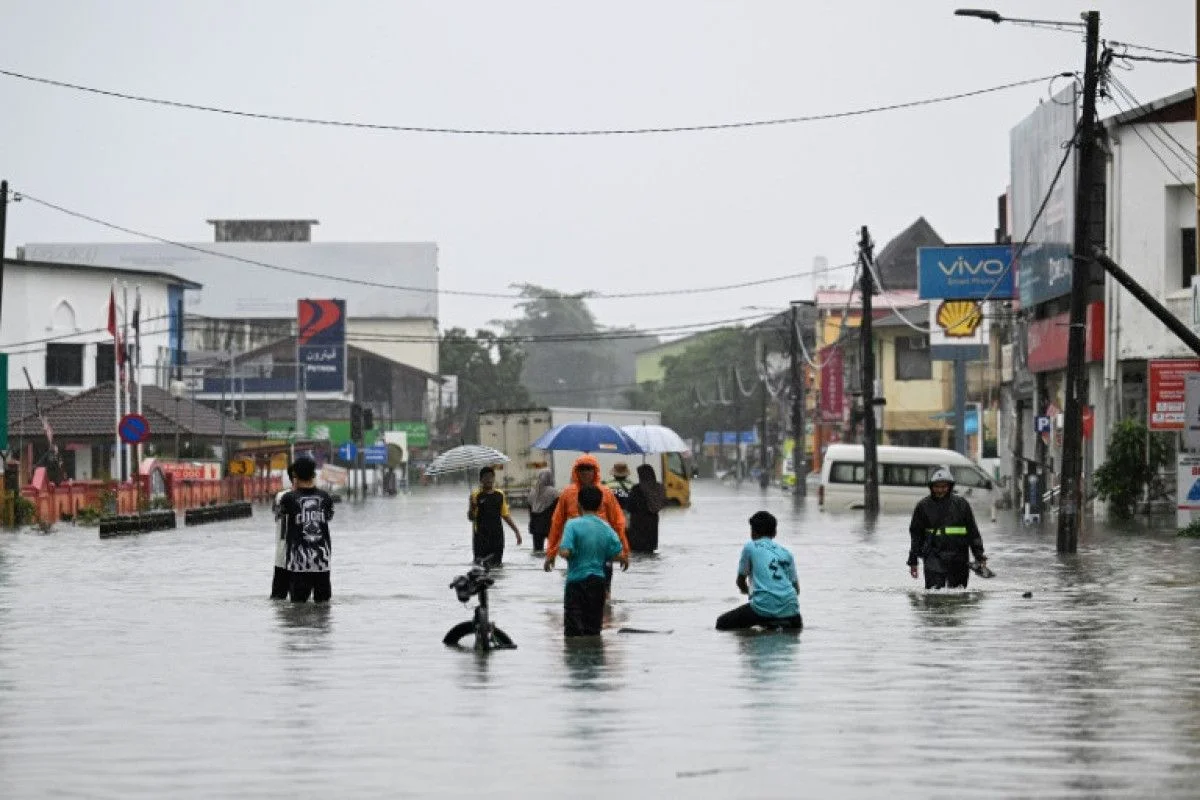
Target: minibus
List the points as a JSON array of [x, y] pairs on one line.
[[903, 478]]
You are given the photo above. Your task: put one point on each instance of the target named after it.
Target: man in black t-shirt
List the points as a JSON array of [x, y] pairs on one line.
[[488, 510], [305, 512]]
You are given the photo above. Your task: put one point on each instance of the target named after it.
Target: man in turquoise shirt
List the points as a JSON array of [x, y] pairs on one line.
[[766, 572], [588, 543]]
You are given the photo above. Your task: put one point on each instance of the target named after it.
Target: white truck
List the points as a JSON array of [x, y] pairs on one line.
[[513, 431]]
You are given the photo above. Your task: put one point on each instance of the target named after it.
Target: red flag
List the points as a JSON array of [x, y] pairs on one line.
[[112, 326]]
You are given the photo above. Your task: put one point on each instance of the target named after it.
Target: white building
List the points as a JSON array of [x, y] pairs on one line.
[[54, 322], [251, 289], [1151, 233]]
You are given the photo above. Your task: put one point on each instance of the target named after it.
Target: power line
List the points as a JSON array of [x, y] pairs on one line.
[[423, 289], [515, 132], [1154, 152], [1188, 158], [1016, 258], [1161, 51]]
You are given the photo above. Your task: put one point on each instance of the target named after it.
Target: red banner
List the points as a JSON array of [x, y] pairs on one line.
[[833, 383], [1048, 339], [1168, 384]]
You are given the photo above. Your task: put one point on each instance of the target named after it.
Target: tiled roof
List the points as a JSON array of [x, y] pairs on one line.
[[91, 415], [897, 261], [21, 402]]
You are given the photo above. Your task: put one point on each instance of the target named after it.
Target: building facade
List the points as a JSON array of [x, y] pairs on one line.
[[54, 321]]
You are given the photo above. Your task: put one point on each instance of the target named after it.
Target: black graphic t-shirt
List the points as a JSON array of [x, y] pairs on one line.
[[487, 511], [305, 514]]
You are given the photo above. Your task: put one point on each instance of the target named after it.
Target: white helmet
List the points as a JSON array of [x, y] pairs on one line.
[[942, 475]]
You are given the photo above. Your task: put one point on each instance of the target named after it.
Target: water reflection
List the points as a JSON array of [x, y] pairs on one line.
[[765, 654], [585, 661], [944, 609], [305, 626]]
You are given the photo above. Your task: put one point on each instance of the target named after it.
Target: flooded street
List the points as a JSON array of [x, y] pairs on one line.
[[156, 666]]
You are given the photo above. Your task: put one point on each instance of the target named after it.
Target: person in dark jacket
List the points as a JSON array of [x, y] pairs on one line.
[[944, 535], [646, 499]]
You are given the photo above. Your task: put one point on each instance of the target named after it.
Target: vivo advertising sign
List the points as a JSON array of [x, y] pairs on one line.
[[978, 272]]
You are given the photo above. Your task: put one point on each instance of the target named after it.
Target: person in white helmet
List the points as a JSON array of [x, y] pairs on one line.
[[944, 535]]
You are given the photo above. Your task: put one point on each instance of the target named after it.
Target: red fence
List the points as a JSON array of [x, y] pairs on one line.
[[53, 501]]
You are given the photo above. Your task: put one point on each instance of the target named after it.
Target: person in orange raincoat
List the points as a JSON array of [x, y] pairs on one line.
[[586, 470]]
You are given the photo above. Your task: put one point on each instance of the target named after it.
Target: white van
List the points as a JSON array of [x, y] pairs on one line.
[[903, 478]]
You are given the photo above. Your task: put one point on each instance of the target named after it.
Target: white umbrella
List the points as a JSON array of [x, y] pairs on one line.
[[465, 457], [656, 438]]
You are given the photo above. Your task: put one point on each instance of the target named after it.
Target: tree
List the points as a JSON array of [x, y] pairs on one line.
[[489, 376], [1121, 479], [700, 387], [570, 359]]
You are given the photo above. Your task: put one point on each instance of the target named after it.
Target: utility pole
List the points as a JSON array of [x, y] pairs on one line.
[[799, 438], [1071, 480], [737, 426], [3, 225], [870, 454], [764, 476]]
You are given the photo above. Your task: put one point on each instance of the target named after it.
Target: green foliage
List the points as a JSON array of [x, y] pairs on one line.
[[1124, 476], [26, 511], [88, 515], [699, 391], [489, 376], [573, 361], [1192, 531]]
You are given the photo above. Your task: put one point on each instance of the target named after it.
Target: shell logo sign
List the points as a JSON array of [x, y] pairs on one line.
[[959, 319]]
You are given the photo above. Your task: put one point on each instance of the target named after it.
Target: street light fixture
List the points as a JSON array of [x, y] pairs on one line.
[[994, 16]]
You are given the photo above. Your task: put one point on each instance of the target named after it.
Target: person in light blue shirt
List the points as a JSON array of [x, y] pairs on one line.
[[588, 543], [766, 572]]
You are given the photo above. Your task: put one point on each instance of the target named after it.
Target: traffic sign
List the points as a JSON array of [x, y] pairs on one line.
[[1043, 424], [348, 451], [375, 454], [134, 429]]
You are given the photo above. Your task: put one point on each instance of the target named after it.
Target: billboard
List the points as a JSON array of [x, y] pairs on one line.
[[833, 383], [1036, 148], [321, 344], [958, 330], [1168, 392], [972, 272]]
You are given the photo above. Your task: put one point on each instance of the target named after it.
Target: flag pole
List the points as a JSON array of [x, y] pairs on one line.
[[137, 354], [125, 344], [112, 328]]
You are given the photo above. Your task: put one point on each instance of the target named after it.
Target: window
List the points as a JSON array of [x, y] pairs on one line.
[[64, 364], [104, 362], [912, 359], [845, 472], [675, 464], [970, 478], [1187, 255], [904, 475]]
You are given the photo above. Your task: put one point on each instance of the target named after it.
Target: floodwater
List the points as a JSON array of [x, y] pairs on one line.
[[155, 666]]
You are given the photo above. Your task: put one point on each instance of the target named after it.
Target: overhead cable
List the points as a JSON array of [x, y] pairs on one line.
[[588, 295], [517, 132]]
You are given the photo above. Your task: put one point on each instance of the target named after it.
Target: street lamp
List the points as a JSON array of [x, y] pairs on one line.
[[993, 16], [1070, 480], [177, 391]]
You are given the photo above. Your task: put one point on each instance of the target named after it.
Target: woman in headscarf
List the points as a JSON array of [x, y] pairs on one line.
[[542, 499], [645, 501]]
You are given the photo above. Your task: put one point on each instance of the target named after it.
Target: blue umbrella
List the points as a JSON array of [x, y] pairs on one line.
[[587, 437]]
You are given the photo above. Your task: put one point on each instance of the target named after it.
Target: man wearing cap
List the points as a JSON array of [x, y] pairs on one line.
[[620, 486], [944, 535]]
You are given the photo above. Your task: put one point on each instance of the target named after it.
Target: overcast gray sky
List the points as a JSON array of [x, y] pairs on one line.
[[610, 213]]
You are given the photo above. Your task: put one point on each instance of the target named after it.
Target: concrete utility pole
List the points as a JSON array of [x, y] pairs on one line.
[[799, 438], [870, 455], [3, 225], [764, 476], [1071, 480]]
